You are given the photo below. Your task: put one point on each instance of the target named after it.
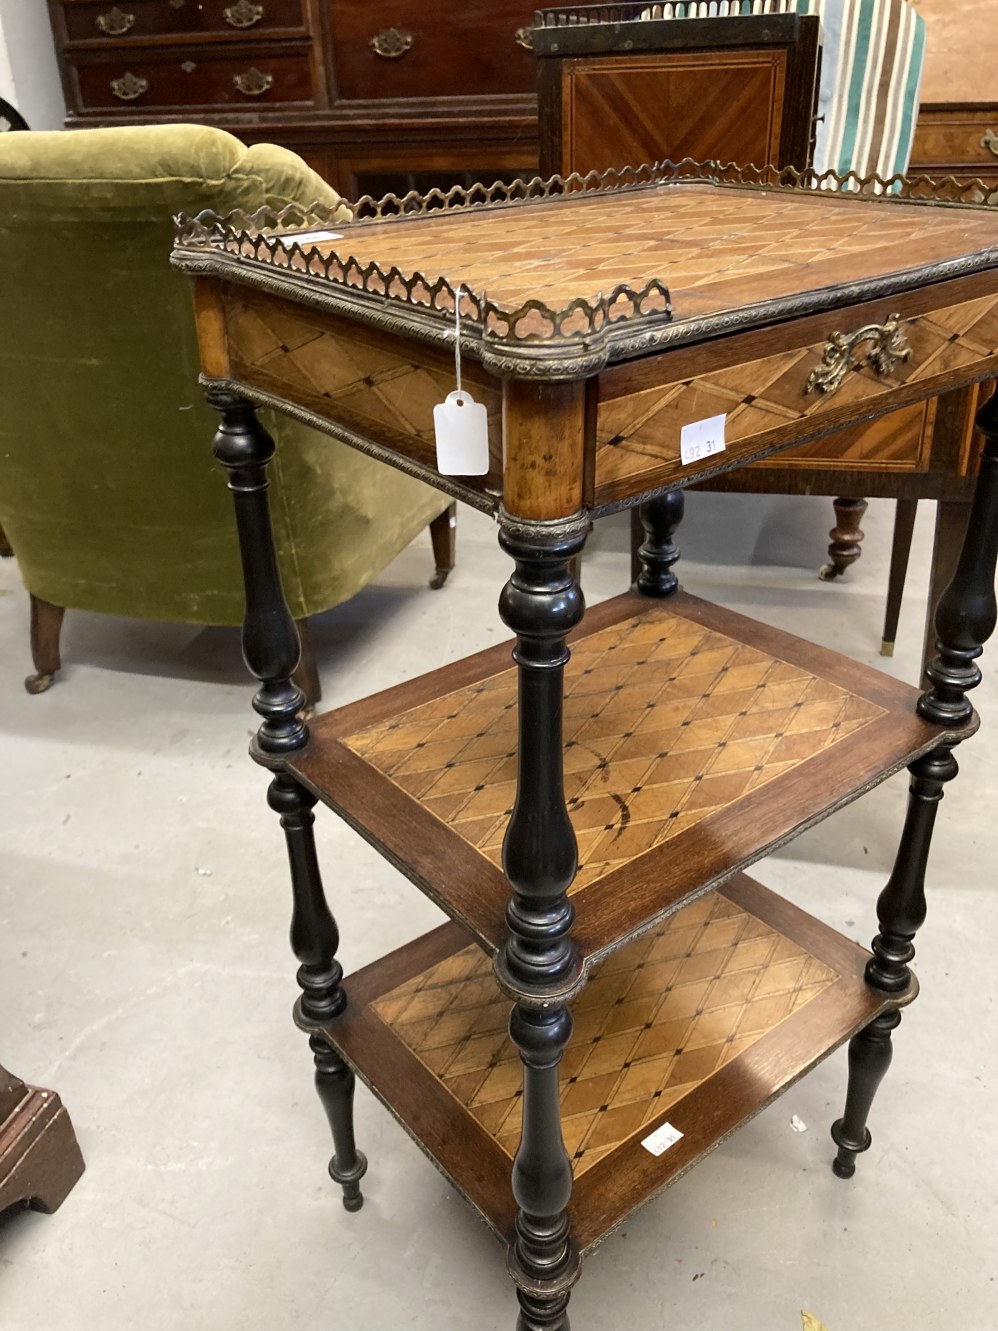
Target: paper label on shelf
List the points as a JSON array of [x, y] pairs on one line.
[[659, 1141], [461, 426], [701, 439], [312, 237]]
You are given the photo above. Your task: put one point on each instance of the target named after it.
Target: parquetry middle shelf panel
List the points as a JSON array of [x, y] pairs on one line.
[[695, 741]]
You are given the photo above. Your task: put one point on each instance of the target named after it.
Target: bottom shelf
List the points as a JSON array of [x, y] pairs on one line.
[[696, 1025]]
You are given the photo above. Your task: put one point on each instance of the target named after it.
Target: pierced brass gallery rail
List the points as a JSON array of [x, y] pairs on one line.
[[837, 359]]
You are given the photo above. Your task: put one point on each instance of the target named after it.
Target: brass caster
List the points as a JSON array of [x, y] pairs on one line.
[[829, 572], [39, 683], [886, 648]]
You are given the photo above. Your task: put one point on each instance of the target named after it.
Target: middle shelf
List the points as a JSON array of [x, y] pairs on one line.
[[696, 742]]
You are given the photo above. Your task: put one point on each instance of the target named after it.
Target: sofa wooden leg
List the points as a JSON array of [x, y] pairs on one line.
[[443, 534], [5, 551], [306, 676], [46, 625]]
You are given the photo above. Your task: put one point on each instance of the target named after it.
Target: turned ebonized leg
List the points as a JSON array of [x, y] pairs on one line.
[[539, 968], [965, 620], [901, 911], [659, 519], [46, 626], [271, 649], [845, 537], [904, 526], [443, 538]]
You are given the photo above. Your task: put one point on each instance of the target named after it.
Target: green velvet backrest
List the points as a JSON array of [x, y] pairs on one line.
[[109, 494]]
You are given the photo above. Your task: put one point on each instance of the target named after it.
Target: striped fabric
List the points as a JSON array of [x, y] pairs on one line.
[[871, 69]]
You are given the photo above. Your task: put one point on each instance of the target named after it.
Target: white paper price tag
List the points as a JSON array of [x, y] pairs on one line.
[[701, 439], [659, 1141], [461, 426], [313, 237]]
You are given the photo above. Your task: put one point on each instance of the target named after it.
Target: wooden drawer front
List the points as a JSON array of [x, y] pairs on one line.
[[138, 83], [451, 49], [954, 141], [126, 20], [899, 442], [764, 400]]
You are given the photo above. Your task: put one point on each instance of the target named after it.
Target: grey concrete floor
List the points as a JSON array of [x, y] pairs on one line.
[[145, 975]]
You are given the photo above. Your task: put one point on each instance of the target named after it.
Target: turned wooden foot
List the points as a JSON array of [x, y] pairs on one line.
[[40, 1159], [844, 548], [443, 535], [46, 625]]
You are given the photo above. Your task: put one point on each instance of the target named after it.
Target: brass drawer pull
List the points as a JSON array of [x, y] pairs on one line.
[[253, 83], [244, 14], [837, 359], [115, 22], [990, 141], [391, 43], [129, 86], [525, 37]]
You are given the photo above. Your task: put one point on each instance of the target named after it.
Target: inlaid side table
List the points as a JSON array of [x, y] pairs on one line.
[[614, 994]]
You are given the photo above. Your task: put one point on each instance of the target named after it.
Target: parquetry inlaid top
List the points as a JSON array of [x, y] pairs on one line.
[[585, 273]]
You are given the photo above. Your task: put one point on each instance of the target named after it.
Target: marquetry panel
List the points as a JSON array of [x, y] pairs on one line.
[[656, 1020], [764, 400], [695, 741], [639, 108], [699, 1023], [666, 721], [715, 248], [352, 376]]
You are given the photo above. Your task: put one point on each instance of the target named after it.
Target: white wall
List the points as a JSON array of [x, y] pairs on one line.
[[29, 75]]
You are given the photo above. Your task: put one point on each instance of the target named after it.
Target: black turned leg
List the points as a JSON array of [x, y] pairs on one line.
[[46, 626], [659, 519], [845, 537], [904, 526], [870, 1054], [965, 620], [271, 649], [443, 538], [539, 968], [901, 911]]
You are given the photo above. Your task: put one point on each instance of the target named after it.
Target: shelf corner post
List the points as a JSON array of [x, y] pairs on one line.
[[539, 967], [965, 620], [271, 649]]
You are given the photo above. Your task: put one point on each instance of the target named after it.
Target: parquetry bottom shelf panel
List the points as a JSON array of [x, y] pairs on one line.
[[696, 741], [697, 1024]]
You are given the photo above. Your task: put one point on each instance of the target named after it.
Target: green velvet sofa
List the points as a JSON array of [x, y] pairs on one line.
[[109, 496]]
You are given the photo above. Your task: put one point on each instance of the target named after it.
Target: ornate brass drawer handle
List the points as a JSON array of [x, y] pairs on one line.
[[115, 22], [253, 83], [525, 37], [391, 43], [244, 14], [129, 86], [837, 359], [990, 141]]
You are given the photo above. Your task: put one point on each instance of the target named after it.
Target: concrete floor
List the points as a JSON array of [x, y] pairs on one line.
[[145, 975]]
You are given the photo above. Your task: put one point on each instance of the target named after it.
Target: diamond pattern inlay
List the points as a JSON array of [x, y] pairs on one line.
[[666, 722], [657, 1019]]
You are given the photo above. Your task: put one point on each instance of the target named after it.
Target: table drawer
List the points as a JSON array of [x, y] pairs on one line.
[[130, 19], [434, 48], [141, 83], [861, 363], [955, 141]]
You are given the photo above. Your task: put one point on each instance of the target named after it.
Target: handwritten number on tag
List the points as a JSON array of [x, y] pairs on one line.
[[702, 439]]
